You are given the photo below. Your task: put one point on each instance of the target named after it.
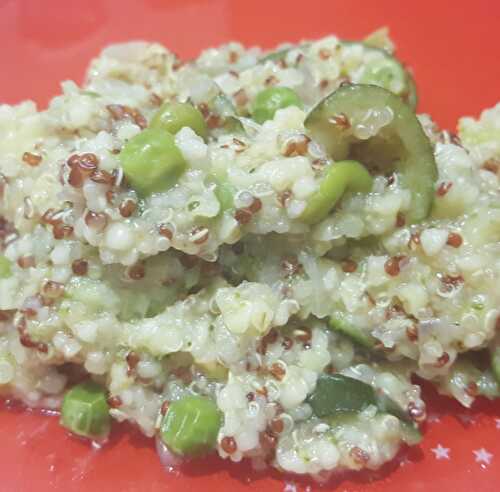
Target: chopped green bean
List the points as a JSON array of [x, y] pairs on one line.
[[191, 425], [174, 116], [151, 161], [340, 177], [268, 101], [85, 411]]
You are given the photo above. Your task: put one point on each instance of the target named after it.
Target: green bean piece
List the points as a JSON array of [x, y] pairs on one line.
[[85, 411], [191, 425], [268, 101], [399, 144], [5, 267], [340, 177], [151, 161], [174, 116]]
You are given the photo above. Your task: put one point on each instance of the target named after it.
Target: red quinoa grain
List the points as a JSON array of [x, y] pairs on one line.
[[400, 220], [26, 261], [137, 271], [164, 407], [393, 265], [349, 266], [32, 160], [80, 267], [115, 401], [454, 240], [359, 456], [277, 425], [127, 207], [228, 444], [442, 360], [243, 216], [443, 188]]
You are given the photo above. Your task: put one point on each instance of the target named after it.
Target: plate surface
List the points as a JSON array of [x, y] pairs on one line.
[[453, 49]]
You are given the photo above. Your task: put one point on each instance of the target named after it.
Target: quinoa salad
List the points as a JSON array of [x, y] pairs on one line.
[[254, 253]]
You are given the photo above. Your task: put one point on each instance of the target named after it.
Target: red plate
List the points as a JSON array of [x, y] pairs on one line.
[[453, 49]]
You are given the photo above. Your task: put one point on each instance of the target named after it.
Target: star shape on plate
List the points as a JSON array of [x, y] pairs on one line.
[[482, 456], [441, 453]]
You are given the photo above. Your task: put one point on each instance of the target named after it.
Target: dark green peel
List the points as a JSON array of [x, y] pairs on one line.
[[401, 144], [336, 393]]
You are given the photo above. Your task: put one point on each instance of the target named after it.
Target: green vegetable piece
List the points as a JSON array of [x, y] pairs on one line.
[[151, 161], [340, 323], [191, 425], [387, 405], [339, 178], [411, 95], [268, 101], [5, 267], [386, 71], [225, 194], [336, 393], [275, 55], [495, 362], [85, 411], [400, 143], [410, 433], [174, 116]]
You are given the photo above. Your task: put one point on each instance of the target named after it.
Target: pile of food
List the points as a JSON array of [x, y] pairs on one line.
[[249, 253]]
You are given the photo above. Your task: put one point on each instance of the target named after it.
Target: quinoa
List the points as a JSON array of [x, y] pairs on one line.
[[164, 295]]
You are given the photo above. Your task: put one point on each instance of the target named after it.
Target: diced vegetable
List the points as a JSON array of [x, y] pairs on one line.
[[373, 126], [5, 267], [224, 192], [191, 425], [268, 101], [340, 323], [495, 362], [174, 116], [386, 71], [336, 393], [410, 433], [221, 107], [151, 161], [339, 178], [275, 55], [85, 411]]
